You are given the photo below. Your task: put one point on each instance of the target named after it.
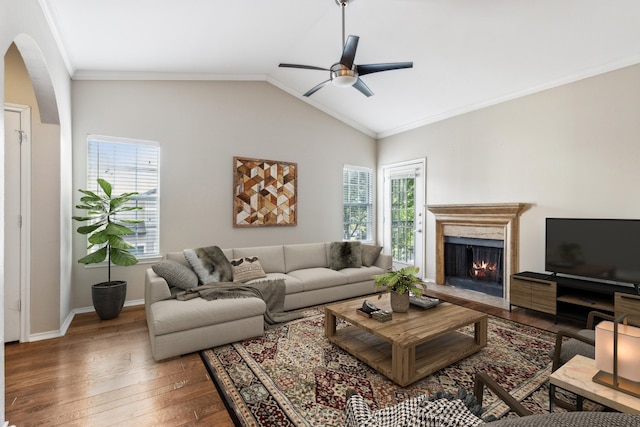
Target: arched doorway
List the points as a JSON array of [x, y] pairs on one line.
[[27, 83]]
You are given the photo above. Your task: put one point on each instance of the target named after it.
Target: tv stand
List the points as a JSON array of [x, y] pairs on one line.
[[563, 296]]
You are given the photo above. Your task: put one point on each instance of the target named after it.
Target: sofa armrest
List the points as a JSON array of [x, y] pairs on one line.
[[155, 288], [383, 261]]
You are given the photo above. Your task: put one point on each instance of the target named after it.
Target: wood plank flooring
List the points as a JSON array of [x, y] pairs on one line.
[[102, 374]]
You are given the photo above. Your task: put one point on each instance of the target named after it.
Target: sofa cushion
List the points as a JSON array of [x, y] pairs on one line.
[[271, 257], [177, 257], [176, 274], [246, 268], [210, 264], [345, 254], [291, 284], [173, 316], [318, 278], [370, 254], [361, 274], [308, 255]]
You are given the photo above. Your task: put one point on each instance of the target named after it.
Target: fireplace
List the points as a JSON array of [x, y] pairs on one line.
[[492, 229], [475, 264]]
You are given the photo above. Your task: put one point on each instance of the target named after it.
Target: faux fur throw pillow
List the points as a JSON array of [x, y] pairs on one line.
[[247, 268], [345, 255], [210, 264]]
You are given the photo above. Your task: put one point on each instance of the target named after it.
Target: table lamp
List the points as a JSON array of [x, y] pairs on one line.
[[617, 351]]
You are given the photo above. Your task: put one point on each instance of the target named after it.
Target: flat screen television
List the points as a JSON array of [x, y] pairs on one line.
[[605, 249]]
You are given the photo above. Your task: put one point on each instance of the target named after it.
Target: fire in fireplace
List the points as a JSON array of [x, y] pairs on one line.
[[475, 264]]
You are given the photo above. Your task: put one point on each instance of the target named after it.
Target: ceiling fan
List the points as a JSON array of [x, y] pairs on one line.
[[345, 73]]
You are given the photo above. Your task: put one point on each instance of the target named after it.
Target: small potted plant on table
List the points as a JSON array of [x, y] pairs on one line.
[[399, 283], [107, 232]]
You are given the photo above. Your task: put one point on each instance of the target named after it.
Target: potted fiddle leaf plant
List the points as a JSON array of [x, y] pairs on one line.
[[106, 231], [399, 283]]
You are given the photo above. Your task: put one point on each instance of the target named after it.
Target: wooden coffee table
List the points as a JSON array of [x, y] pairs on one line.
[[412, 345]]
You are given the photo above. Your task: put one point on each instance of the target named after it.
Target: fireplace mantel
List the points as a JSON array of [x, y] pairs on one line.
[[489, 221]]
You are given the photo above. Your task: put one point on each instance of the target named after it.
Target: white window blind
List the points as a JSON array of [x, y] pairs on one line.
[[357, 203], [130, 166]]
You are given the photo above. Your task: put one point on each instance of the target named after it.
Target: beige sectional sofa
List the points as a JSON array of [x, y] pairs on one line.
[[181, 327]]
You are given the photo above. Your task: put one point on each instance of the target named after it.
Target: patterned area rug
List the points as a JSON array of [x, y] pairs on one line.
[[293, 376]]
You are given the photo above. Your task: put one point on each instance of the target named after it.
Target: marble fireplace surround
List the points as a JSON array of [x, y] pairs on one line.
[[499, 221]]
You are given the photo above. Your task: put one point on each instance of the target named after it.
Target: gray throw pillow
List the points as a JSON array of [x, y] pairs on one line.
[[176, 274], [210, 264], [345, 255], [370, 254]]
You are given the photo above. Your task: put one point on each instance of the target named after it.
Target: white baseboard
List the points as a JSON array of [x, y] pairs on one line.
[[67, 322]]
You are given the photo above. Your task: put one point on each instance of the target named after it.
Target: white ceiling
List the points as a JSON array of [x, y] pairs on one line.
[[467, 54]]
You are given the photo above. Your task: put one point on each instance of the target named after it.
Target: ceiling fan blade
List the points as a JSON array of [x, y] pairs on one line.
[[359, 84], [349, 51], [376, 68], [317, 88], [304, 67]]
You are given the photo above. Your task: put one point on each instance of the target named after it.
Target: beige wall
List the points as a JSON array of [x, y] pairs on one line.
[[200, 127], [572, 151]]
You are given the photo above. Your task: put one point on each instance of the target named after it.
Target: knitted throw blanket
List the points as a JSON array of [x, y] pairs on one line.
[[272, 292]]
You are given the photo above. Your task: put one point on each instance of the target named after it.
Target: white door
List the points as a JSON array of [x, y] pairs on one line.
[[15, 120], [404, 211]]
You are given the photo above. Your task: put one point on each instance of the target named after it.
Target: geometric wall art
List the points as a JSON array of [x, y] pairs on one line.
[[264, 193]]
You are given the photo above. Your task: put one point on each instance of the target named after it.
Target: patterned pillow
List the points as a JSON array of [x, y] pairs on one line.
[[345, 255], [370, 254], [247, 268], [176, 274]]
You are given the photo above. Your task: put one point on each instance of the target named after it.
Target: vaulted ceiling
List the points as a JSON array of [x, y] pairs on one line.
[[467, 54]]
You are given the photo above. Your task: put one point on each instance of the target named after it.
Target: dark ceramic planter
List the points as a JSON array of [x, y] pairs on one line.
[[108, 298]]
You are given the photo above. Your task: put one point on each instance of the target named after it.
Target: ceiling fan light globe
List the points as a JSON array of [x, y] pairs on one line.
[[343, 78]]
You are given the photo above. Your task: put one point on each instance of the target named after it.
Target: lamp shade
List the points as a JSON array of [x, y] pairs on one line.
[[628, 350]]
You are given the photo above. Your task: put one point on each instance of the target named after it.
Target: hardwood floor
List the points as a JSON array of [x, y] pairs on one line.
[[102, 374]]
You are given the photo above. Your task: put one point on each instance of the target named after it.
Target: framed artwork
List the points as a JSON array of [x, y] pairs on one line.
[[264, 193]]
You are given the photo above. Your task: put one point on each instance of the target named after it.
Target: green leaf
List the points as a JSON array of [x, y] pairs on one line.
[[117, 202], [86, 229], [91, 200], [122, 258], [114, 229], [130, 208], [94, 258], [119, 243], [131, 221], [106, 187], [99, 237], [91, 194]]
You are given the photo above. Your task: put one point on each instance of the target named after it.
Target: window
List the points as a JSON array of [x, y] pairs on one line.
[[130, 166], [357, 186]]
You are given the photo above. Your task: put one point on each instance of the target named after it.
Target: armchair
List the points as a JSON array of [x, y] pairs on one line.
[[465, 410]]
